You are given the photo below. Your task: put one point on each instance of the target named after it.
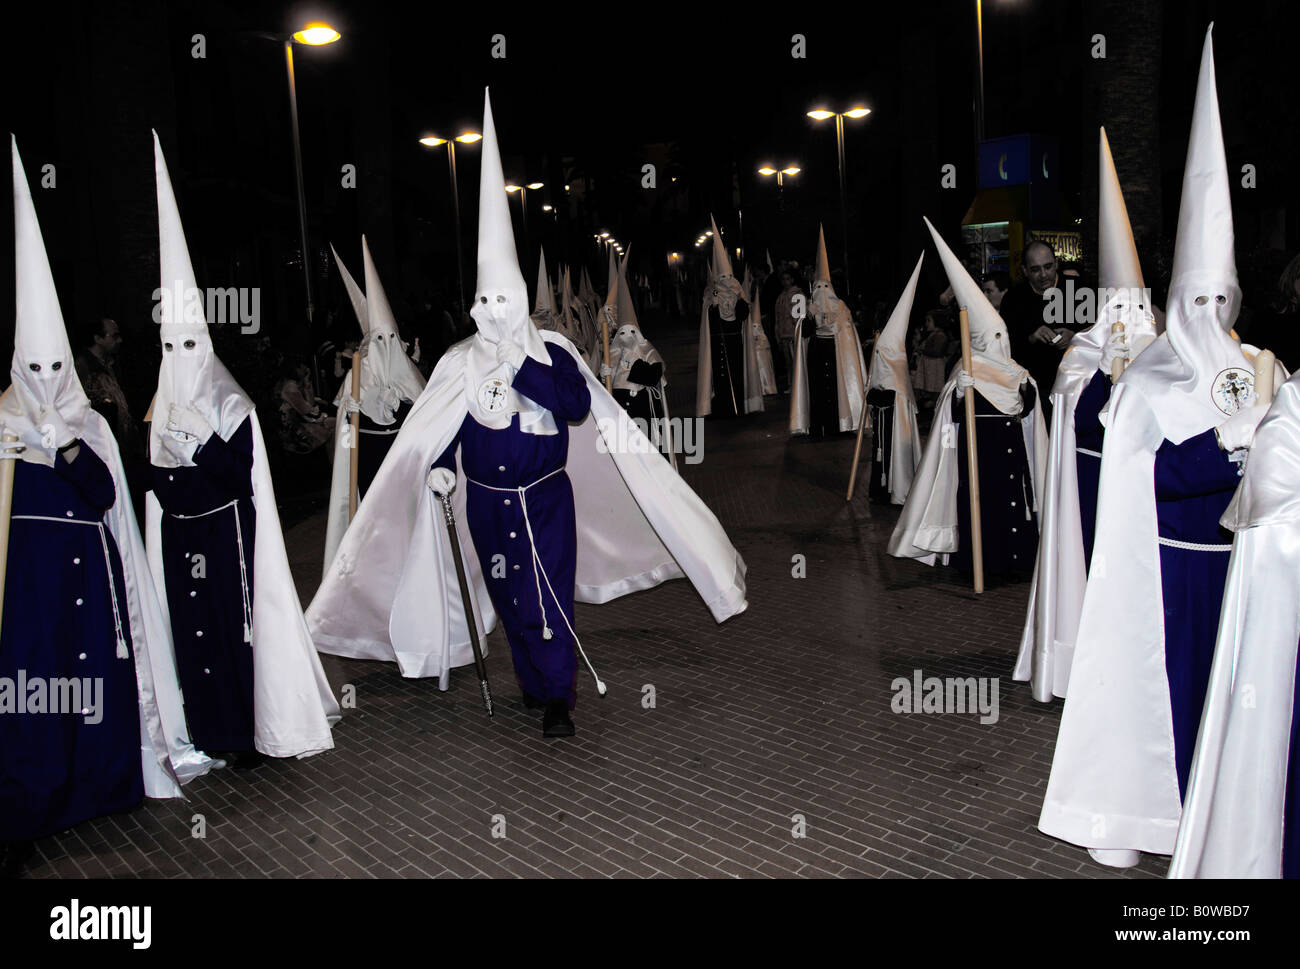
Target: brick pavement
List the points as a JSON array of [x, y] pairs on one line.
[[783, 711]]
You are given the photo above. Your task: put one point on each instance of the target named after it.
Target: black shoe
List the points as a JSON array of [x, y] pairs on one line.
[[556, 722], [246, 760], [531, 702]]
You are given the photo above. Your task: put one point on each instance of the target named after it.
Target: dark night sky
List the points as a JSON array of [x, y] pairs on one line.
[[594, 86]]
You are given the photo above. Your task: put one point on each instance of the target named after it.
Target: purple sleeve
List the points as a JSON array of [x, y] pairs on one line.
[[90, 476], [560, 388], [230, 462], [1194, 468]]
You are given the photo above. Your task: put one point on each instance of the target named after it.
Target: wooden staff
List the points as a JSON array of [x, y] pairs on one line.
[[1264, 374], [6, 508], [865, 419], [972, 462], [355, 453], [1119, 363], [604, 335]]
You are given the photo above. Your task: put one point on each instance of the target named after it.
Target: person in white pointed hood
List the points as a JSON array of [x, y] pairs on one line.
[[1011, 442], [253, 683], [390, 384], [1241, 818], [1082, 388], [1151, 606], [574, 323], [762, 345], [638, 373], [544, 316], [558, 496], [897, 449], [727, 382], [826, 395], [79, 603]]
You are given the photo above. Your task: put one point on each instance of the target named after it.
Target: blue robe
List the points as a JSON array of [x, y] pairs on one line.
[[208, 510], [1194, 482], [374, 444], [508, 471], [1089, 435], [1009, 527], [727, 346], [63, 581], [882, 403]]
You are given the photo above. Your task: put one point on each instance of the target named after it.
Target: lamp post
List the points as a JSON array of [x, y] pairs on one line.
[[979, 89], [822, 114], [313, 35], [523, 199], [767, 171], [433, 141]]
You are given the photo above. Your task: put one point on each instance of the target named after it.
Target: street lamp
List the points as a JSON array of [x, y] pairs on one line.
[[523, 200], [313, 35], [433, 141], [822, 114], [767, 171]]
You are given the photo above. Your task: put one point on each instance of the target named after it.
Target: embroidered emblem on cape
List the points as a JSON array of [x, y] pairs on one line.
[[1233, 389], [492, 394]]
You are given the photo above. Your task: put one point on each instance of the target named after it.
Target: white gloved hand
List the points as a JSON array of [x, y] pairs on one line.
[[606, 370], [964, 382], [441, 481], [187, 420], [351, 406], [55, 430], [1238, 431], [511, 353], [1116, 348]]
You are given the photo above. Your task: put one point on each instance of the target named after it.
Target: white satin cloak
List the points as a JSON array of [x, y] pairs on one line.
[[168, 757], [293, 706], [749, 396], [850, 369], [1113, 784], [1232, 822], [762, 350], [927, 526], [889, 372], [392, 593]]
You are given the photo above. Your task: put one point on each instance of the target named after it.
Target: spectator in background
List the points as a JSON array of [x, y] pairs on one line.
[[995, 286], [783, 307], [305, 421], [1035, 345], [1279, 329], [932, 351], [97, 369]]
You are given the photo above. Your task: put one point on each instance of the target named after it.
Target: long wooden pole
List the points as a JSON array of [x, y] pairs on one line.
[[863, 420], [604, 335], [354, 453], [6, 508], [972, 463], [1264, 377], [1119, 363]]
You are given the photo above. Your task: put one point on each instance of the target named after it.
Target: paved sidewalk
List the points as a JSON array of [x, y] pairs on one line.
[[779, 719]]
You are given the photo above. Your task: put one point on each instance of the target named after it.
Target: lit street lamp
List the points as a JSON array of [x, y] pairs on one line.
[[523, 199], [313, 35], [822, 114], [767, 171], [433, 141]]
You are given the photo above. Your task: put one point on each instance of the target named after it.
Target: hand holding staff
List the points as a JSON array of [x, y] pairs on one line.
[[604, 335], [467, 602], [865, 419], [972, 463], [354, 452]]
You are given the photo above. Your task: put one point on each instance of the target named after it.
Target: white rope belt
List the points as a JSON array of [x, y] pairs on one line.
[[122, 651], [1193, 547], [538, 569], [1091, 454], [384, 433], [233, 504]]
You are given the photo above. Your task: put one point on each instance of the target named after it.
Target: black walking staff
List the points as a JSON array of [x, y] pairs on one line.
[[467, 601]]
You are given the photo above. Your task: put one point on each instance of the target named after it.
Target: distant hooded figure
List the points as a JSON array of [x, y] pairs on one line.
[[827, 396], [557, 498], [79, 604], [728, 382], [1069, 501], [1160, 559], [897, 448], [390, 384], [637, 369], [1011, 442], [251, 678]]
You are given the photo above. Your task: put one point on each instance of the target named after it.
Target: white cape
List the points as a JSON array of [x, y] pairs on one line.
[[850, 369], [927, 526], [889, 372], [293, 706], [392, 593], [1232, 823], [1060, 574]]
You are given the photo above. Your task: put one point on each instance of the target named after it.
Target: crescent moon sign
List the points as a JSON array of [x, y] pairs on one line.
[[1002, 167], [1045, 175]]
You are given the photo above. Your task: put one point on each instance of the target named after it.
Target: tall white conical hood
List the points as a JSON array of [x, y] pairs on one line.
[[889, 368], [40, 338], [822, 274], [988, 332], [545, 301], [721, 261], [1117, 252], [387, 374], [190, 373], [626, 312], [355, 296], [611, 293]]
